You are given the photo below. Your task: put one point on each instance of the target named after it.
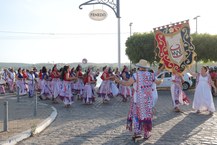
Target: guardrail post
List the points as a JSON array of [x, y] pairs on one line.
[[35, 104], [18, 94], [5, 116]]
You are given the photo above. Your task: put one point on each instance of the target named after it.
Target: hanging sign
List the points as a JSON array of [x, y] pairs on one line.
[[98, 14]]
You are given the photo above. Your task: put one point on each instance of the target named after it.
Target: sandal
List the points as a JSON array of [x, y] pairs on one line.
[[147, 135], [136, 136]]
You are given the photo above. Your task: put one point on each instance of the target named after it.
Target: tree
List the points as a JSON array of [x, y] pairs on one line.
[[205, 47], [140, 46]]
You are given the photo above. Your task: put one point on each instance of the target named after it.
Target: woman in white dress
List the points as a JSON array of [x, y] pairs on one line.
[[203, 99]]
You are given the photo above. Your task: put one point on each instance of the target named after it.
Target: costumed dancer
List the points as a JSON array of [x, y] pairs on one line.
[[5, 75], [140, 114], [94, 85], [88, 96], [21, 83], [113, 86], [2, 85], [79, 85], [40, 80], [11, 80], [105, 90], [46, 92], [31, 83], [178, 95], [25, 76], [66, 92], [118, 75], [125, 91], [73, 83], [37, 88], [55, 75], [154, 85], [203, 99]]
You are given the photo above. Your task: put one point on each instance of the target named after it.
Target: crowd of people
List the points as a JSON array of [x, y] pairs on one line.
[[65, 84], [137, 87]]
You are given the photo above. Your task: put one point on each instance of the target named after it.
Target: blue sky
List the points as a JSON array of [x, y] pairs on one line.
[[66, 34]]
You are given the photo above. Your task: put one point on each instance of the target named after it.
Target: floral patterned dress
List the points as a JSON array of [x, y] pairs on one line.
[[140, 113]]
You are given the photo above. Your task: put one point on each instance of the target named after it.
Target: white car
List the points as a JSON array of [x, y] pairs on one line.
[[168, 77]]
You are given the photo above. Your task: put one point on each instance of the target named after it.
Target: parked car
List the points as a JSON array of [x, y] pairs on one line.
[[168, 77]]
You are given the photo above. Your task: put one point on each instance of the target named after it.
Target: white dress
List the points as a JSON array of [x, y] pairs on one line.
[[203, 99], [154, 93]]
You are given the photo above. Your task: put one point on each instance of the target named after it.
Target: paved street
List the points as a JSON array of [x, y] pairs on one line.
[[105, 124]]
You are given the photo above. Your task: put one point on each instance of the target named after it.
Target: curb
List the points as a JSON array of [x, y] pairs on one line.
[[31, 132]]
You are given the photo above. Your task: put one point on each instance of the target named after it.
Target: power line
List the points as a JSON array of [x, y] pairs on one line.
[[52, 34]]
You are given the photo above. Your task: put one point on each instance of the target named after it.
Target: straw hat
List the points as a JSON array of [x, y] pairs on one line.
[[143, 64]]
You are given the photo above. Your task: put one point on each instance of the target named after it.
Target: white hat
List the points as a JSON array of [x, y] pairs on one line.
[[143, 64]]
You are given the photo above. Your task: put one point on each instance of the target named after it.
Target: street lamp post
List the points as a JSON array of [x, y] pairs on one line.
[[195, 18], [130, 28], [130, 35], [116, 8]]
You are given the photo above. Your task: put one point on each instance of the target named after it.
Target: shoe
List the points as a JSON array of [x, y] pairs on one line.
[[136, 136], [198, 111], [107, 98], [210, 113], [176, 109], [40, 97]]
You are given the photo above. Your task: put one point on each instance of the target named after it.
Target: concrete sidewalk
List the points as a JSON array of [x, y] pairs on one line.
[[22, 122]]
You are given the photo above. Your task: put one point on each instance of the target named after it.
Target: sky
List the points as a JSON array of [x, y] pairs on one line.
[[57, 31]]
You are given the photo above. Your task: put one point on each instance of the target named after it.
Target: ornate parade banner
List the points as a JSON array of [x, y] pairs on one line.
[[176, 50]]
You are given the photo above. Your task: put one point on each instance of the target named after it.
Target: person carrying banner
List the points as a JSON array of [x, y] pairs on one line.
[[178, 95]]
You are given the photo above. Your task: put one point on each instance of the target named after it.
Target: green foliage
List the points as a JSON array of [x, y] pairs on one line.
[[140, 46], [205, 47]]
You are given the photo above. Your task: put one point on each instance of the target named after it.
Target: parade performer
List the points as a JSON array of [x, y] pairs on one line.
[[140, 113], [11, 80], [178, 95], [88, 90], [73, 83], [203, 99], [154, 85], [55, 75], [2, 85], [21, 83], [66, 91], [31, 83], [79, 85], [46, 92], [105, 88], [125, 91]]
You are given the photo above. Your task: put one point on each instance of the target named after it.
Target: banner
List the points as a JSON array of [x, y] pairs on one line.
[[174, 42]]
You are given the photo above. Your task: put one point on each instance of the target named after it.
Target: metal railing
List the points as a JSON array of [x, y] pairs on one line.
[[20, 113]]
